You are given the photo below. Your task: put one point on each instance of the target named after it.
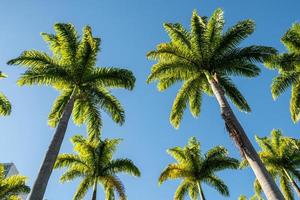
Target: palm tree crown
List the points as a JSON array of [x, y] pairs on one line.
[[11, 187], [281, 156], [194, 168], [95, 164], [5, 106], [71, 69], [205, 52], [288, 66]]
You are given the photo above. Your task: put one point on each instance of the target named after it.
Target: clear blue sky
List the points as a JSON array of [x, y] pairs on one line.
[[130, 28]]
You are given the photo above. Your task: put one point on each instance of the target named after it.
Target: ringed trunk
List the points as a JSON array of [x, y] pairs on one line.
[[202, 197], [95, 190], [239, 136], [40, 184]]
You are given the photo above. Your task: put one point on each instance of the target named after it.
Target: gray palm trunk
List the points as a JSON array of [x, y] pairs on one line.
[[293, 182], [40, 184], [238, 134], [202, 197], [95, 190]]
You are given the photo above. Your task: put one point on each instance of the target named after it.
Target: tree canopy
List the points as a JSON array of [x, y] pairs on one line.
[[72, 70], [193, 57], [193, 169], [94, 161]]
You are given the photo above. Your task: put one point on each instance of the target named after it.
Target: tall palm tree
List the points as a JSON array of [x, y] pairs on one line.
[[5, 106], [288, 66], [281, 156], [203, 59], [194, 169], [94, 163], [84, 88], [13, 186]]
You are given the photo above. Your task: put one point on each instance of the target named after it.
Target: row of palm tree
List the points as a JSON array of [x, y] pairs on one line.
[[203, 58], [280, 155], [94, 164]]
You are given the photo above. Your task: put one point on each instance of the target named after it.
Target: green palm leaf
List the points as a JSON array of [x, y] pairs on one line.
[[288, 66]]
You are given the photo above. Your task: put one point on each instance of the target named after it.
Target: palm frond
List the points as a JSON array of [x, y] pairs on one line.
[[87, 50], [112, 77], [182, 191], [58, 107], [115, 183], [294, 102], [110, 104], [215, 26], [286, 188], [124, 165], [5, 105], [178, 34], [173, 171], [291, 39], [68, 40], [32, 59], [198, 39], [72, 174], [282, 82], [218, 184], [82, 189], [193, 191], [283, 62], [180, 102], [180, 70], [68, 160], [234, 35], [234, 94]]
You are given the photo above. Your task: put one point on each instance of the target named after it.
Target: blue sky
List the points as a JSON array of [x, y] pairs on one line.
[[130, 28]]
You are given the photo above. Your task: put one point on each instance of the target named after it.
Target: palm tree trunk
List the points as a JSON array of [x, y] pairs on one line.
[[202, 197], [95, 190], [40, 184], [238, 134], [293, 182]]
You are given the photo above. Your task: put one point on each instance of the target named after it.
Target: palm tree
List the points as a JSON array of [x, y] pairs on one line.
[[84, 88], [288, 66], [5, 106], [204, 59], [95, 164], [13, 186], [194, 169], [281, 156]]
